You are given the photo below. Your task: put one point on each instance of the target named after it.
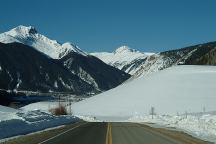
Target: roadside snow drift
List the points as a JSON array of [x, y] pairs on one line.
[[177, 89], [18, 122]]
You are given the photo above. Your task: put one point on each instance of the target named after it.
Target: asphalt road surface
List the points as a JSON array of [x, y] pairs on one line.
[[117, 133], [85, 133], [131, 133]]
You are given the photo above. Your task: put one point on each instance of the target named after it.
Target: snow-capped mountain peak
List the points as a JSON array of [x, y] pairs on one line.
[[124, 49], [28, 35], [22, 30], [123, 58], [71, 47]]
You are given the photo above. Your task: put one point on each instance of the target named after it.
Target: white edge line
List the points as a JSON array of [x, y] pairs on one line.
[[61, 133]]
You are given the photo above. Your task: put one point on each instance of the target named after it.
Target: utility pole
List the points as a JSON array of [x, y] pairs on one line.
[[152, 112], [59, 100], [70, 106], [204, 109]]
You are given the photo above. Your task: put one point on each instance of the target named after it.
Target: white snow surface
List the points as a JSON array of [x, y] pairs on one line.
[[7, 113], [176, 89], [30, 119], [43, 106], [29, 36], [121, 56]]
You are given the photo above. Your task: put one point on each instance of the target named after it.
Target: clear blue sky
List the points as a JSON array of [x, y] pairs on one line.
[[103, 25]]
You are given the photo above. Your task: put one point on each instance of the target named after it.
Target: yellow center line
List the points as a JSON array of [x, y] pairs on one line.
[[109, 134]]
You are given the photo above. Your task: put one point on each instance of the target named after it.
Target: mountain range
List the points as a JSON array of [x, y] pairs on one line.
[[30, 61]]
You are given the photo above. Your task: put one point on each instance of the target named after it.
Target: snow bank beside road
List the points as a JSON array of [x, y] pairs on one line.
[[17, 122], [7, 113]]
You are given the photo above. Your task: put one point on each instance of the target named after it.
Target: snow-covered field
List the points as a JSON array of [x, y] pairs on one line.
[[31, 118], [173, 91], [178, 89]]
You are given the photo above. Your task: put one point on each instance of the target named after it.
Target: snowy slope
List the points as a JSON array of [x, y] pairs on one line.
[[123, 58], [176, 89], [29, 36]]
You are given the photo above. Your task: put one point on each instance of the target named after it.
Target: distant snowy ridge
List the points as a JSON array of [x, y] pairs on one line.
[[201, 54], [29, 36], [123, 58], [142, 64]]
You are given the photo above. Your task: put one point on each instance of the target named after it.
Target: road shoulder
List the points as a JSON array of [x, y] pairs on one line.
[[176, 135]]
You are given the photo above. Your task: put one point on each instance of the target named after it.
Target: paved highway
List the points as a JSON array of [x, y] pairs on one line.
[[130, 133], [85, 133], [118, 133]]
